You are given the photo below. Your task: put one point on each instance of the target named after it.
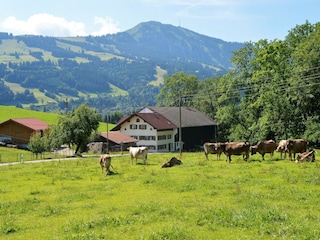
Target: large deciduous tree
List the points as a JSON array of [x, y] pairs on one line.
[[77, 126], [179, 84]]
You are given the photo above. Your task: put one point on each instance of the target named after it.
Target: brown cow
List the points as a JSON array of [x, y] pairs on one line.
[[236, 148], [172, 162], [105, 162], [264, 147], [296, 146], [213, 148], [282, 147], [306, 157]]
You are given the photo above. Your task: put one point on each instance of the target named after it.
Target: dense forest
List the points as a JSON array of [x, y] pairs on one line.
[[273, 91]]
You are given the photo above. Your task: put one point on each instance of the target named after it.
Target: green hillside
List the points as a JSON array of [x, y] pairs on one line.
[[8, 112], [112, 72]]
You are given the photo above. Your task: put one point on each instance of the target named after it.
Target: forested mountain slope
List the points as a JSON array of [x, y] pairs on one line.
[[114, 72]]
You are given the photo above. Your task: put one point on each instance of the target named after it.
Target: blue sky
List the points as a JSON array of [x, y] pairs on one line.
[[229, 20]]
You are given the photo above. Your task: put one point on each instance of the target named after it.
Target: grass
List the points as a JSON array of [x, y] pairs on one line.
[[7, 112], [200, 199]]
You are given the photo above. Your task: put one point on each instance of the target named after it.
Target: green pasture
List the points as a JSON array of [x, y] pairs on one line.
[[8, 112], [73, 199]]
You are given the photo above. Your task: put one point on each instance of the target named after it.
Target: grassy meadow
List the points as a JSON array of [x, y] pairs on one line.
[[7, 112], [73, 199]]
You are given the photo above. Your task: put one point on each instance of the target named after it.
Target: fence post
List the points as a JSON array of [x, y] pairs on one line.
[[21, 158]]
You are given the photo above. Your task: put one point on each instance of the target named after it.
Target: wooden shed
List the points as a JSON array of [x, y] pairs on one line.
[[19, 130]]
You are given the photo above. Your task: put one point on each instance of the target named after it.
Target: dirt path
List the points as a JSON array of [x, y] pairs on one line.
[[58, 159]]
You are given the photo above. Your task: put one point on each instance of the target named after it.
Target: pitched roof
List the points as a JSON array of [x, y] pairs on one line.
[[32, 123], [162, 118], [118, 137], [155, 119], [190, 117]]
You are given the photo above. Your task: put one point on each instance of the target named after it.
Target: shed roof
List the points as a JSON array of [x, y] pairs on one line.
[[118, 137], [32, 123]]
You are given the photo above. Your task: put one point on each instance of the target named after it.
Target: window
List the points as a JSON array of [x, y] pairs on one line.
[[162, 137], [147, 138], [144, 127], [138, 120], [162, 147], [169, 136], [133, 126]]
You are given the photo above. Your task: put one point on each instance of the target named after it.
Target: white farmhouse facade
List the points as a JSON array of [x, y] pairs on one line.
[[148, 135], [158, 128]]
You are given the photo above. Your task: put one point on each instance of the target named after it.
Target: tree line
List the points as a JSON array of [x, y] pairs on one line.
[[271, 93]]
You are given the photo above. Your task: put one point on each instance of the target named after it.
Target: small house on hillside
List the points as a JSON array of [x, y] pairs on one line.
[[158, 128], [19, 130]]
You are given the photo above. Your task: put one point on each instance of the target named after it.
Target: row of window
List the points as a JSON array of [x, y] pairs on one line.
[[160, 147], [152, 138], [135, 126]]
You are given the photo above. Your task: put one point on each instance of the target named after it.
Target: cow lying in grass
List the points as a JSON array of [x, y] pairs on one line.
[[172, 162], [306, 157]]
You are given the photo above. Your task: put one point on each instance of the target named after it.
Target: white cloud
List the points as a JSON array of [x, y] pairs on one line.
[[50, 25], [107, 26]]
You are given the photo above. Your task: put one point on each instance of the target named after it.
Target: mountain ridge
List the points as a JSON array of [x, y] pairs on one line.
[[83, 68]]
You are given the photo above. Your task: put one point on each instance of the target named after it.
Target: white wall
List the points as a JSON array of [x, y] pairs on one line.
[[148, 136]]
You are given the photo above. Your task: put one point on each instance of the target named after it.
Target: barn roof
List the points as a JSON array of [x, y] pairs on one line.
[[118, 137], [32, 123], [190, 117], [163, 118], [155, 119]]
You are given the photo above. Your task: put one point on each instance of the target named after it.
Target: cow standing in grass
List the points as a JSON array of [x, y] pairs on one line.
[[236, 148], [212, 148], [296, 146], [264, 147], [105, 162], [138, 152], [282, 148]]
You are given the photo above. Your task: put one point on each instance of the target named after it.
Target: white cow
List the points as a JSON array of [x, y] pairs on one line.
[[282, 148], [138, 152], [105, 162]]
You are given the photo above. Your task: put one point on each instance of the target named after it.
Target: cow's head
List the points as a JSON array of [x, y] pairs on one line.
[[217, 146], [289, 145], [253, 150]]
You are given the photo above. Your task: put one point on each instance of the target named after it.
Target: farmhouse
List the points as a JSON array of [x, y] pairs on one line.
[[19, 130], [158, 128]]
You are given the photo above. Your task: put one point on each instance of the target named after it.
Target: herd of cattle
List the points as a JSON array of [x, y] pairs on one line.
[[290, 147], [135, 153]]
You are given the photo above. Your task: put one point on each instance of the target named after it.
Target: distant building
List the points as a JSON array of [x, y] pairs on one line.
[[117, 140], [158, 128], [19, 130]]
